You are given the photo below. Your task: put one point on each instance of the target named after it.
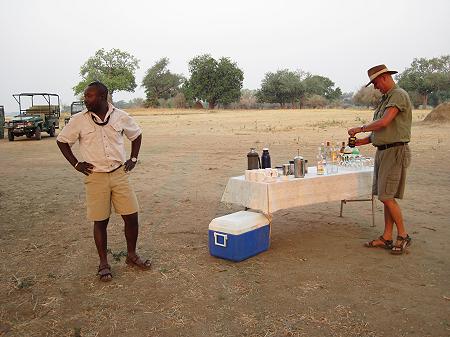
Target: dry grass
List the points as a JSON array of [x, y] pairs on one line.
[[316, 280]]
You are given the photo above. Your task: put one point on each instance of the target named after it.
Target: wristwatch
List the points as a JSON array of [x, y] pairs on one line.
[[133, 159]]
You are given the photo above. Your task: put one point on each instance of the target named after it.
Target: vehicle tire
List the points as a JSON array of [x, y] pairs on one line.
[[51, 132], [29, 135], [37, 133], [10, 136]]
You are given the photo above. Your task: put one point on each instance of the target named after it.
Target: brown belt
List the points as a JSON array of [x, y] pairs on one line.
[[387, 146]]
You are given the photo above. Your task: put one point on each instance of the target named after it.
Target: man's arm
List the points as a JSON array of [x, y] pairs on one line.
[[377, 125], [363, 141], [135, 147], [83, 167]]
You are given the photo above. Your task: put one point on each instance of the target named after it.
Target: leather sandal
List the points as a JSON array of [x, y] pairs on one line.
[[387, 244], [403, 242], [136, 261], [104, 273]]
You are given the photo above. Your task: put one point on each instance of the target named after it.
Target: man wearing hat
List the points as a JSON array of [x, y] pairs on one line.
[[390, 134]]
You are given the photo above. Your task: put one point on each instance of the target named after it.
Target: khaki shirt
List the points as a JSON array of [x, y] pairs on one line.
[[399, 130], [102, 146]]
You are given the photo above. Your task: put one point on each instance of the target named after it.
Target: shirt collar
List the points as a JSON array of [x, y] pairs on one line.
[[109, 112], [390, 90]]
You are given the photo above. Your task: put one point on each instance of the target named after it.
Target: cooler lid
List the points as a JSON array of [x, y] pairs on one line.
[[238, 223]]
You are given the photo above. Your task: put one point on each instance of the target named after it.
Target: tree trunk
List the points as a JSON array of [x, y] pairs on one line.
[[424, 101]]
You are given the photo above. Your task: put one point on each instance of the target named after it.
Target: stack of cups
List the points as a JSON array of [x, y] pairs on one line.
[[261, 175]]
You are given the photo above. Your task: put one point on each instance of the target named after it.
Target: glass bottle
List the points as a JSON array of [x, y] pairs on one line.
[[321, 162]]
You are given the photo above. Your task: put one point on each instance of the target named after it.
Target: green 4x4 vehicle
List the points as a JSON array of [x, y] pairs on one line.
[[36, 118], [75, 108]]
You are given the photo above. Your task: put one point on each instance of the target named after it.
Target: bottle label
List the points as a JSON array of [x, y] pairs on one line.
[[320, 169]]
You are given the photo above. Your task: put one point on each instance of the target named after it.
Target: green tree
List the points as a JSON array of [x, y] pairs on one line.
[[427, 77], [283, 86], [159, 82], [321, 86], [114, 68], [213, 81]]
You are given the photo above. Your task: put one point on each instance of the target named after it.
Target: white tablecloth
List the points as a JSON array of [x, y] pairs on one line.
[[271, 197]]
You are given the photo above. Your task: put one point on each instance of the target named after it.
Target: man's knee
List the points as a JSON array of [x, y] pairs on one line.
[[131, 219], [388, 202], [101, 223]]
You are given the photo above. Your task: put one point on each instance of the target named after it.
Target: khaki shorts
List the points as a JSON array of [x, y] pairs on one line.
[[389, 176], [104, 188]]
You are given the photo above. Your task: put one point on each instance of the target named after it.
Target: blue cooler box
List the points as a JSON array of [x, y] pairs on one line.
[[239, 235]]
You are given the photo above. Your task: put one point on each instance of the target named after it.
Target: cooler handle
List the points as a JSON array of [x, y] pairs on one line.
[[217, 243]]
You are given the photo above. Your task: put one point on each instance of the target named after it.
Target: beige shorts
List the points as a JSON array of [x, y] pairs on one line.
[[102, 189], [389, 176]]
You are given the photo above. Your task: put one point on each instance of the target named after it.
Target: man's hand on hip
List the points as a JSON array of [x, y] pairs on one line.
[[129, 165], [84, 167]]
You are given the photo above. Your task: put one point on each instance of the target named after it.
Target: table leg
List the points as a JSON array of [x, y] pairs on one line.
[[373, 211], [372, 200], [342, 207]]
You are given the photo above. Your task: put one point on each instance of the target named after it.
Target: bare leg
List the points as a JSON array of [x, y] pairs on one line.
[[396, 215], [131, 234], [388, 227], [101, 239], [388, 224], [101, 242]]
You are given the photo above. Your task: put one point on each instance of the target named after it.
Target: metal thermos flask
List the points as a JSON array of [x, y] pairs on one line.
[[265, 159], [291, 167], [253, 160], [299, 167]]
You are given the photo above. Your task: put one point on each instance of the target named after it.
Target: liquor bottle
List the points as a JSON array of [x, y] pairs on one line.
[[342, 148], [328, 157], [335, 158], [328, 151], [321, 161]]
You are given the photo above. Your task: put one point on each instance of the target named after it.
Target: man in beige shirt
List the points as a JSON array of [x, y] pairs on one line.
[[99, 130], [391, 133]]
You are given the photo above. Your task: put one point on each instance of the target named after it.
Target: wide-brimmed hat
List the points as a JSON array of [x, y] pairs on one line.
[[376, 71]]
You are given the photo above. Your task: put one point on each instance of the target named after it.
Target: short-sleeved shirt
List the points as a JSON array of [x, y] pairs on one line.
[[102, 146], [399, 130]]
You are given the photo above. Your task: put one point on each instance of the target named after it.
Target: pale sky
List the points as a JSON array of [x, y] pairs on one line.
[[44, 43]]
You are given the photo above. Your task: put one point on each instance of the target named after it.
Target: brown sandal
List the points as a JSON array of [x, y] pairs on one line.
[[104, 273], [387, 244], [136, 261], [400, 248]]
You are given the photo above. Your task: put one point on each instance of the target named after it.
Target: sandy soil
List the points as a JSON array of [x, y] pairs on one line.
[[316, 279]]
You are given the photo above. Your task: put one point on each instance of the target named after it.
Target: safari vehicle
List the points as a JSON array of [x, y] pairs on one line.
[[36, 118], [2, 120], [75, 108]]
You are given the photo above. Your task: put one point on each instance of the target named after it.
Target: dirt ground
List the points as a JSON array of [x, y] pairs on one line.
[[315, 280]]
